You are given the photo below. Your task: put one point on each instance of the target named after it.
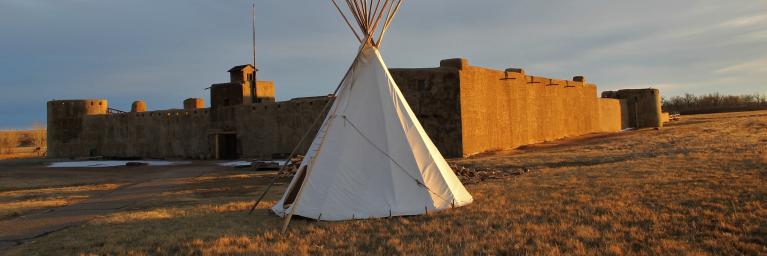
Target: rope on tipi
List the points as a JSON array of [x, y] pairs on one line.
[[383, 152]]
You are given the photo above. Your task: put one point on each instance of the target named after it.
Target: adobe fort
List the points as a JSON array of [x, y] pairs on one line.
[[464, 109]]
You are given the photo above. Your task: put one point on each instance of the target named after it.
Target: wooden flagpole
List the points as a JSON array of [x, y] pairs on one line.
[[255, 69]]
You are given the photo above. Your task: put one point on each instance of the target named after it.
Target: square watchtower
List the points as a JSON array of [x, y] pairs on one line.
[[241, 89]]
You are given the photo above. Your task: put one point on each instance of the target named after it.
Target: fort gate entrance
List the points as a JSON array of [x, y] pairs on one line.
[[226, 146]]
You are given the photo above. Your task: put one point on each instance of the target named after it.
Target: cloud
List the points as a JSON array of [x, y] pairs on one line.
[[745, 21], [754, 66], [166, 51]]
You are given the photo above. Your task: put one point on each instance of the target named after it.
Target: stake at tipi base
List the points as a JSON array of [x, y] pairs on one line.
[[371, 158]]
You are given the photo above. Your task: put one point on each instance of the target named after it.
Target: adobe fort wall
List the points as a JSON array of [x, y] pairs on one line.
[[612, 115], [501, 110], [434, 96], [153, 134], [270, 129], [464, 109]]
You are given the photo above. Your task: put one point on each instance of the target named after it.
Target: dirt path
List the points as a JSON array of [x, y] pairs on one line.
[[19, 230]]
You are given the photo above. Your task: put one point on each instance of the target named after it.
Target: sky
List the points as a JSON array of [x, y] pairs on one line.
[[166, 51]]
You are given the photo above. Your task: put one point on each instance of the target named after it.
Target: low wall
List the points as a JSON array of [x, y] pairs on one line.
[[156, 134], [262, 130]]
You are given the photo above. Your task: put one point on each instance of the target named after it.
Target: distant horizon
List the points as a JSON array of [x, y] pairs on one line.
[[165, 52]]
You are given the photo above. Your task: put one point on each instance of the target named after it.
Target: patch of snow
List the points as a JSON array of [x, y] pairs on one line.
[[249, 163], [235, 164], [280, 162], [101, 164]]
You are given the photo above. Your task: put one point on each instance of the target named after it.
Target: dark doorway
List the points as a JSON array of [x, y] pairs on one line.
[[227, 146]]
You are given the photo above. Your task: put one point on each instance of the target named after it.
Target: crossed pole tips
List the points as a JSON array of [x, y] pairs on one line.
[[368, 15]]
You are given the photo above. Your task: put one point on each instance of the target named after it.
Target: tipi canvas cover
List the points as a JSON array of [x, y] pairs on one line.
[[371, 158]]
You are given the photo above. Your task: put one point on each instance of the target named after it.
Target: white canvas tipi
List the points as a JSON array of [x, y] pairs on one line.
[[371, 158]]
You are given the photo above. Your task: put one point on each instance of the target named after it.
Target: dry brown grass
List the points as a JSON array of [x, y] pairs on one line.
[[696, 187], [16, 203], [22, 143], [9, 140]]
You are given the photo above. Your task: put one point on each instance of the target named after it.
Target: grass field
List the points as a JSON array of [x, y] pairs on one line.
[[696, 187]]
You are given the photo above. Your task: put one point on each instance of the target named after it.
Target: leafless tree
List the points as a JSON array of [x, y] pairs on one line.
[[714, 102]]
